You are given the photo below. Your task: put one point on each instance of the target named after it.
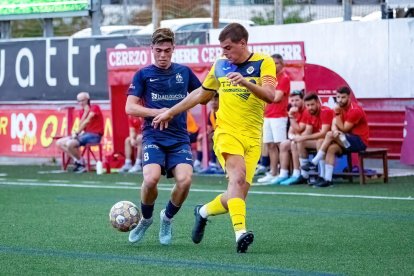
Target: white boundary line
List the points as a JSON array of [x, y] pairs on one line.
[[204, 190]]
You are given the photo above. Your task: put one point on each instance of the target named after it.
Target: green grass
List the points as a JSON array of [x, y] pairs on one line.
[[65, 230]]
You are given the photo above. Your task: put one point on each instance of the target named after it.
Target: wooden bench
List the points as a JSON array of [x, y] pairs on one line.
[[369, 153], [373, 153]]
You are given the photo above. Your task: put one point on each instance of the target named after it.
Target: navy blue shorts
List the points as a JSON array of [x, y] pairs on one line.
[[356, 143], [89, 138], [168, 157]]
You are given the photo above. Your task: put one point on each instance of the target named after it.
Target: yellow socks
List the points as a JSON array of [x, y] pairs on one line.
[[237, 210], [214, 207]]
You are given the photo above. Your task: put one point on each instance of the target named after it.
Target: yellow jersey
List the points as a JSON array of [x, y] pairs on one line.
[[240, 111]]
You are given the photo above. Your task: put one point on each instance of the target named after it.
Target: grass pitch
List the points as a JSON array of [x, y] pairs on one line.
[[58, 224]]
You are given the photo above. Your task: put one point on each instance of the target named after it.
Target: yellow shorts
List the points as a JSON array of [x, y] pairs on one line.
[[247, 147]]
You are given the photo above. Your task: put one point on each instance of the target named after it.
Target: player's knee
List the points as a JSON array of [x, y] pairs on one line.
[[333, 149], [60, 143], [184, 181], [151, 181], [285, 146], [128, 141], [72, 144], [240, 180]]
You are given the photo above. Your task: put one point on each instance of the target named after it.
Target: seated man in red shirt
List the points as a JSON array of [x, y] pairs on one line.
[[318, 120], [297, 127], [350, 133], [134, 140], [90, 131]]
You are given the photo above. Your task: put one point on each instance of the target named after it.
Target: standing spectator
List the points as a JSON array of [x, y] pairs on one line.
[[296, 128], [350, 133], [134, 140], [318, 120], [192, 127], [211, 126], [90, 131], [245, 81], [275, 119], [154, 89]]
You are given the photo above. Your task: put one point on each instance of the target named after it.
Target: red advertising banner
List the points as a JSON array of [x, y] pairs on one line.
[[30, 132]]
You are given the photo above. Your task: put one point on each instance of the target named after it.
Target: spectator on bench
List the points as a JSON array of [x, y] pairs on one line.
[[90, 131], [297, 127], [350, 133], [134, 140], [318, 120]]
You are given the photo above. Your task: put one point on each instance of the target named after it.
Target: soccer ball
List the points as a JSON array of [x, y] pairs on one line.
[[124, 216]]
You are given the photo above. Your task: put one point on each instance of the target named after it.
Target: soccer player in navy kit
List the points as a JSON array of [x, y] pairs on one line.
[[154, 89]]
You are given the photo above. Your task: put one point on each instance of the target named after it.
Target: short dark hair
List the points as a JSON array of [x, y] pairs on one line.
[[235, 31], [277, 56], [311, 96], [162, 35], [344, 90], [300, 93]]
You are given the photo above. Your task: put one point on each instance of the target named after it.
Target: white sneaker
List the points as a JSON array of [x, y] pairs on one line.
[[197, 166], [165, 234], [197, 163], [136, 168], [138, 232], [267, 178], [125, 168], [260, 170]]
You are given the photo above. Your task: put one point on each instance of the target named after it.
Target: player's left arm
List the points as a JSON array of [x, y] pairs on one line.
[[317, 135], [86, 121], [265, 91], [278, 96], [352, 119]]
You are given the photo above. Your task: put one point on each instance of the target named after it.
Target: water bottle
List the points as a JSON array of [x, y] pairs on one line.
[[344, 141], [99, 167]]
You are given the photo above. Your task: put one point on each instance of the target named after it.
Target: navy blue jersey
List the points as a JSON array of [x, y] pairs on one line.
[[159, 88]]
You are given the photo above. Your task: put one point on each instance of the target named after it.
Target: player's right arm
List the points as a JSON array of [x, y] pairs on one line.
[[135, 108], [135, 92], [200, 95]]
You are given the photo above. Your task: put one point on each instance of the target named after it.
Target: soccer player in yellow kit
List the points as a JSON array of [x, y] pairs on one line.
[[245, 81]]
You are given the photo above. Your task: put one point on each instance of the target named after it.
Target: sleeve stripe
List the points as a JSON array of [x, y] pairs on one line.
[[209, 89], [269, 80]]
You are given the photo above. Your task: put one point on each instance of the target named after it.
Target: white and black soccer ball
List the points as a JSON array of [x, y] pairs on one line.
[[124, 216]]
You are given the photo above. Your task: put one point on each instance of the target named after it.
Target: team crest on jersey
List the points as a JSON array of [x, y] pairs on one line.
[[179, 78], [250, 70]]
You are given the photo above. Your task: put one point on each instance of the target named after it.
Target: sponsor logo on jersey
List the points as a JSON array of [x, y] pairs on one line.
[[250, 70], [179, 78], [166, 97]]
